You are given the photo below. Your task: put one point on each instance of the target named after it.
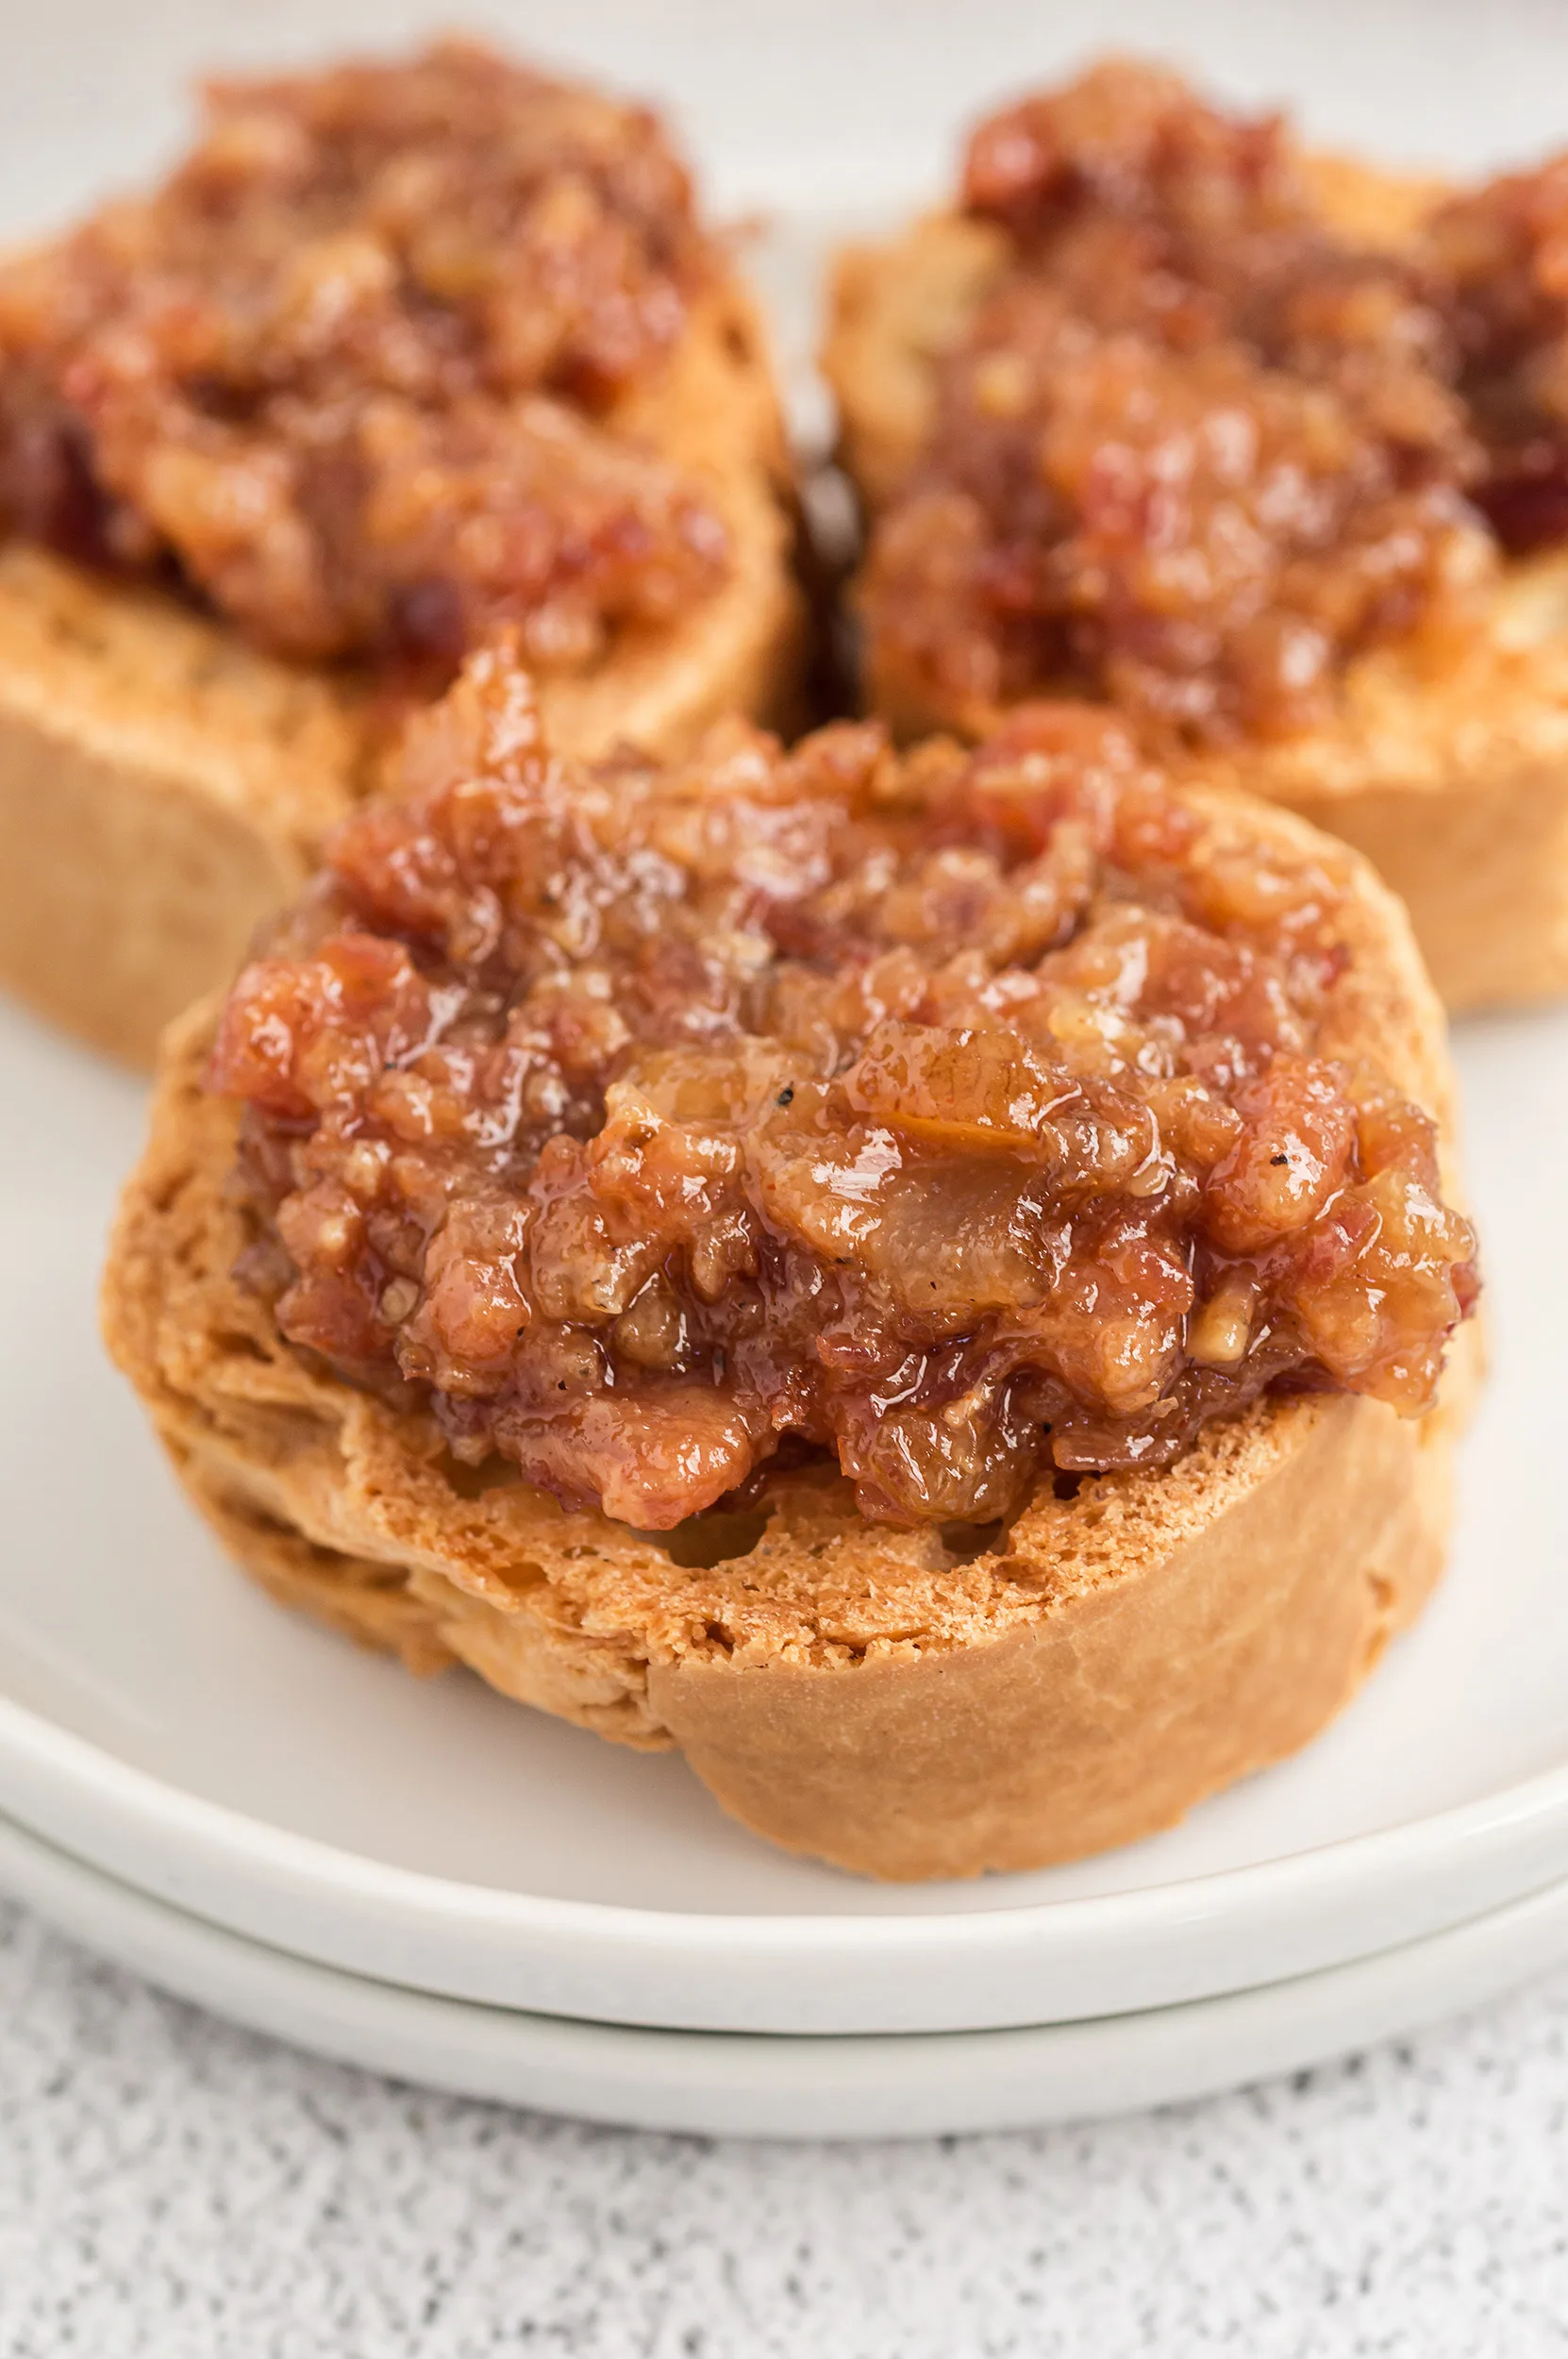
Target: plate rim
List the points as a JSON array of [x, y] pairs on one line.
[[814, 2088], [81, 1795]]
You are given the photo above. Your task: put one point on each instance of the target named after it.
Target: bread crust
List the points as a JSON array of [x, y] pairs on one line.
[[1450, 772], [164, 786], [866, 1694]]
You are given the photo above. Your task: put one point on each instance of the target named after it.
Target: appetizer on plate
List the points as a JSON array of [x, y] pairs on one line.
[[1268, 450], [922, 1280], [399, 353]]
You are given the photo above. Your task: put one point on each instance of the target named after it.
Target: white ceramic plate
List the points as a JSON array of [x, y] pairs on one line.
[[727, 2084], [161, 1718]]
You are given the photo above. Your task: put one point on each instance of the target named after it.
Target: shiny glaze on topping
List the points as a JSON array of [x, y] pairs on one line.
[[962, 1115], [342, 376]]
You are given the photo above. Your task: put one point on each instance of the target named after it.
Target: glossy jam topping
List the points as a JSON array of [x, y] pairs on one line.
[[1503, 251], [963, 1116], [1198, 449], [341, 376]]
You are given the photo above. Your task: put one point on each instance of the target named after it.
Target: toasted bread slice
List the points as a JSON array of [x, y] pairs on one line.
[[904, 1707], [1454, 783], [163, 786]]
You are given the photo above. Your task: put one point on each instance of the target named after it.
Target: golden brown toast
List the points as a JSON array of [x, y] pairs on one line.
[[905, 1708]]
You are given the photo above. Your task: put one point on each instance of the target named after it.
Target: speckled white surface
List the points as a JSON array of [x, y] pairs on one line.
[[174, 2188]]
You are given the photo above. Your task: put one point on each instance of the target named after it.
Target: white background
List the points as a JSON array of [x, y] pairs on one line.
[[821, 101]]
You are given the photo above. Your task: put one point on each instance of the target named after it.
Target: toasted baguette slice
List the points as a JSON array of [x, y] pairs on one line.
[[1454, 784], [904, 1708], [163, 787]]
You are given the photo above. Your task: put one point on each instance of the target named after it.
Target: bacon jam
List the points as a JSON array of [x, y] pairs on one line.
[[344, 376], [1503, 253], [964, 1115], [1199, 449]]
